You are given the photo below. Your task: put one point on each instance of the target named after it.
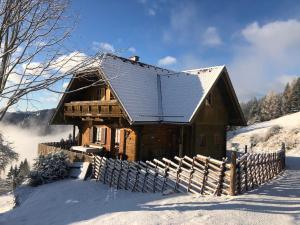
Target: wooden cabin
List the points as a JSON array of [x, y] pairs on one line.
[[138, 111]]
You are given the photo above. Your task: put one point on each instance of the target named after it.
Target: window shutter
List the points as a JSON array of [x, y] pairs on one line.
[[103, 135], [91, 135]]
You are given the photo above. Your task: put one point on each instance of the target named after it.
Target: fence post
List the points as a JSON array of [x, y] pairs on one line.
[[233, 173], [283, 155]]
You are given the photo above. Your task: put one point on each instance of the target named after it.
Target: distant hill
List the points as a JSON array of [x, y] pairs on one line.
[[36, 119]]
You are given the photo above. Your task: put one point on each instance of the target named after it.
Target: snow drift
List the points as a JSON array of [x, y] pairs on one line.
[[270, 134]]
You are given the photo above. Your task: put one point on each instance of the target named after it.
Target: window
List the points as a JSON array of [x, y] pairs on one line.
[[98, 94], [102, 94], [99, 135], [202, 140], [117, 137], [208, 100], [217, 139]]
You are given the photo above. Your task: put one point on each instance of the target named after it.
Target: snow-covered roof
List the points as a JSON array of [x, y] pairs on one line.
[[152, 94]]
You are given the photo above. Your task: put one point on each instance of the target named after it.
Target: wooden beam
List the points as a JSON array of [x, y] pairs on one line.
[[106, 102], [232, 189], [93, 115]]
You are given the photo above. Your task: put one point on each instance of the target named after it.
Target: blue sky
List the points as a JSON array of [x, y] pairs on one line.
[[258, 41]]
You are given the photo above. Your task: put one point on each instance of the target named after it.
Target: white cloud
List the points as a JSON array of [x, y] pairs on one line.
[[132, 49], [14, 78], [184, 24], [66, 63], [151, 12], [276, 37], [211, 37], [168, 60], [65, 85], [52, 97], [282, 80], [103, 46], [267, 52]]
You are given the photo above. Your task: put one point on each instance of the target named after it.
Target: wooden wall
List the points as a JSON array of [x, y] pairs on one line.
[[158, 141], [205, 136], [128, 140], [128, 143], [209, 128], [86, 131]]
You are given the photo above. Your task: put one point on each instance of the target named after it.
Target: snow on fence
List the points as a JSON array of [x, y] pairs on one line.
[[254, 169], [200, 174]]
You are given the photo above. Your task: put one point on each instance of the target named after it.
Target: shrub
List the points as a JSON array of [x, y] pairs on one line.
[[49, 168], [254, 139], [272, 131]]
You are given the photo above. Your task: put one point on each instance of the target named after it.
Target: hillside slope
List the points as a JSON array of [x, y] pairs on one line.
[[39, 120], [89, 202], [270, 134]]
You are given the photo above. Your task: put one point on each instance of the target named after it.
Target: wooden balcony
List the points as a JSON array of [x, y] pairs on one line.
[[93, 109]]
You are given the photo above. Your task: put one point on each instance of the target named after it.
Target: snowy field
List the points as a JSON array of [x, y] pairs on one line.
[[289, 133], [88, 202]]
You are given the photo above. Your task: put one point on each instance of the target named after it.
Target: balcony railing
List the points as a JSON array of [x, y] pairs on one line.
[[93, 108], [65, 147]]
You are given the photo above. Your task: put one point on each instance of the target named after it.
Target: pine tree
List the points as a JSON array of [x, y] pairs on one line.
[[15, 172], [274, 105], [7, 154], [285, 101], [10, 173], [70, 138], [295, 97], [24, 170], [254, 112]]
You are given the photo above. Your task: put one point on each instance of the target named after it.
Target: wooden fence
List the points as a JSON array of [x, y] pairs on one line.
[[64, 146], [255, 169], [200, 174]]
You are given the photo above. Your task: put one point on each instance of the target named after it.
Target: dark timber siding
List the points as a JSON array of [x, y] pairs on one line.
[[209, 128], [159, 141]]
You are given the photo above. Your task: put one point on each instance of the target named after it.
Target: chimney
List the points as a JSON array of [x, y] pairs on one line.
[[134, 58]]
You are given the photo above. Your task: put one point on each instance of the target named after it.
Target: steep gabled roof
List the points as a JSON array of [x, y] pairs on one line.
[[151, 94]]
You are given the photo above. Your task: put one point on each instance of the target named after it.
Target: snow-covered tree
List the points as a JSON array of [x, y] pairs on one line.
[[254, 114], [286, 100], [49, 168], [7, 154], [295, 97], [24, 170], [10, 173]]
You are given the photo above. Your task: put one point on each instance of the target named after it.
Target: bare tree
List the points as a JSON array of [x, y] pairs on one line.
[[32, 52]]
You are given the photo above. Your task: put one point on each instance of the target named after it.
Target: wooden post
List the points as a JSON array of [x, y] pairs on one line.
[[246, 172], [73, 134], [283, 155], [233, 173], [112, 143], [181, 142], [246, 149], [79, 135]]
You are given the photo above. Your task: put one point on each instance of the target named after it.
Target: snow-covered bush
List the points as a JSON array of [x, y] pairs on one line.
[[48, 168], [272, 131], [255, 139]]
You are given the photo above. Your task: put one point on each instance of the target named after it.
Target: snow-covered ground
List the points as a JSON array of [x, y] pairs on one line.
[[88, 202], [289, 133]]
